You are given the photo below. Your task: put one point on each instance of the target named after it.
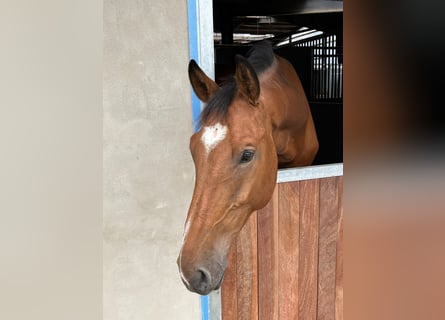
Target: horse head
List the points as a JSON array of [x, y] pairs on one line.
[[235, 165]]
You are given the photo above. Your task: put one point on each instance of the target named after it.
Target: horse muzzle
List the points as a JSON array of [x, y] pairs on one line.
[[200, 278]]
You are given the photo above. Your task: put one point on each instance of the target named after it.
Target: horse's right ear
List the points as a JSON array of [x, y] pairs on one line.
[[203, 86]]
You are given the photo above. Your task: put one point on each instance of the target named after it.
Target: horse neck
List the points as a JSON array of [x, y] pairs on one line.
[[287, 108]]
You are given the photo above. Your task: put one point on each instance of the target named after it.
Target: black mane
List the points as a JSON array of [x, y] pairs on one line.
[[260, 57]]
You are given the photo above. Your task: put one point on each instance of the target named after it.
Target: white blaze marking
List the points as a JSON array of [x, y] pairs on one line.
[[212, 135]]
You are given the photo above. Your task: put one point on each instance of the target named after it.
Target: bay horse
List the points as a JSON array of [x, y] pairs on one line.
[[258, 121]]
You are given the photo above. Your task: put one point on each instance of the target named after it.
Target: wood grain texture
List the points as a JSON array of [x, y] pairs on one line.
[[327, 248], [268, 260], [288, 250], [247, 271], [308, 260], [287, 262], [339, 267], [229, 305]]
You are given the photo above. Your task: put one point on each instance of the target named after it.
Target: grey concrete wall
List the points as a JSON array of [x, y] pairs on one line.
[[148, 172]]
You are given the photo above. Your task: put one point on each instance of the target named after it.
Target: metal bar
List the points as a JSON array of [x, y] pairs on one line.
[[337, 83], [323, 67], [331, 80], [312, 75], [194, 54], [318, 74], [336, 76], [311, 172], [200, 16], [316, 61], [215, 312]]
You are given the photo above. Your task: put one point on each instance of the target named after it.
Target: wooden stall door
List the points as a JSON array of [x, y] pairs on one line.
[[287, 260]]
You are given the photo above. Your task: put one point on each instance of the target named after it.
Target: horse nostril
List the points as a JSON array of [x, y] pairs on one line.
[[205, 277], [200, 281]]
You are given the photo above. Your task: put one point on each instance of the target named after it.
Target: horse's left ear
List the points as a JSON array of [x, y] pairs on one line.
[[247, 80]]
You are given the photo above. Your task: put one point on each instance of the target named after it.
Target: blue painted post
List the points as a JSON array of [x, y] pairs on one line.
[[205, 307], [193, 29], [194, 53]]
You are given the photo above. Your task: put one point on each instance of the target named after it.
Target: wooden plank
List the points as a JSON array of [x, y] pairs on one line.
[[268, 260], [298, 272], [229, 289], [308, 260], [288, 239], [247, 271], [339, 268], [327, 248]]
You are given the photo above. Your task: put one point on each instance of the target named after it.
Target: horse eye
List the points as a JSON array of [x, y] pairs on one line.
[[247, 156]]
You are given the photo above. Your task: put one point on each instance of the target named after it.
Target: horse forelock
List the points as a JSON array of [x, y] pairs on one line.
[[218, 106]]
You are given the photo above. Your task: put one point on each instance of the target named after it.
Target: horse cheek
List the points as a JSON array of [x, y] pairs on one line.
[[266, 185]]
